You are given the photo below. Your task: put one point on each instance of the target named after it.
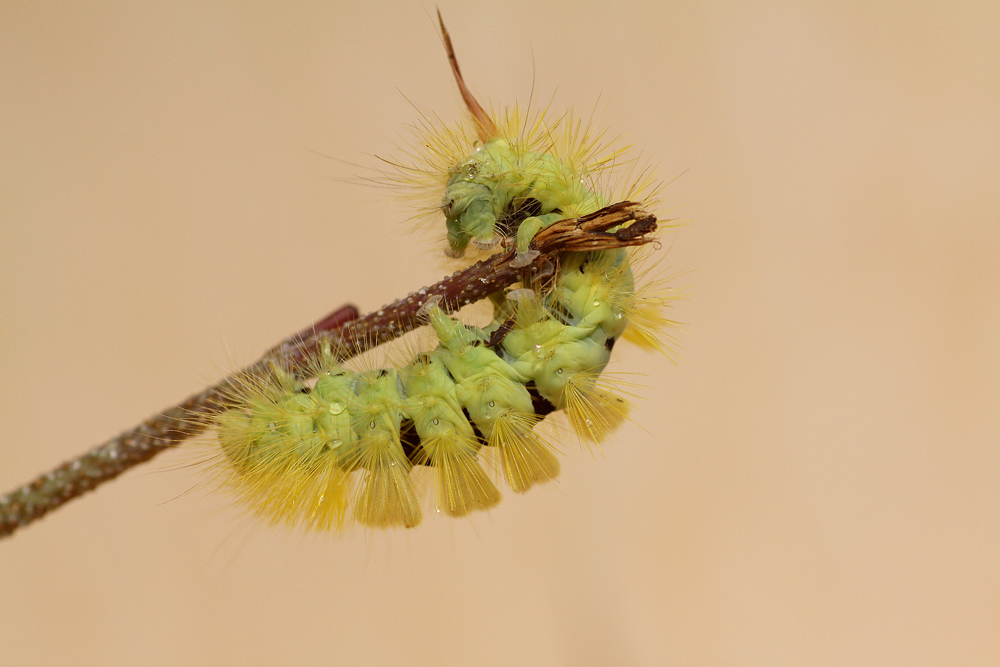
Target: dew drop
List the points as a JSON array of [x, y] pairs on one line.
[[371, 425], [493, 404], [435, 421], [337, 408]]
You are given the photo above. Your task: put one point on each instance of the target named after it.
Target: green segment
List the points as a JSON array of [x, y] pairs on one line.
[[379, 412], [432, 402], [550, 353], [486, 385], [591, 288], [337, 402]]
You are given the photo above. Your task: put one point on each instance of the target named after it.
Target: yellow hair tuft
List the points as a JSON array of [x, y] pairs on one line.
[[525, 458], [462, 484], [593, 409]]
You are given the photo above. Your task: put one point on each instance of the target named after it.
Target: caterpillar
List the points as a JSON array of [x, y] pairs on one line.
[[323, 447]]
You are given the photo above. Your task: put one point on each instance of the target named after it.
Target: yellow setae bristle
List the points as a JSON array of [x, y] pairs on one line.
[[644, 306], [525, 458], [324, 498], [462, 484], [386, 497], [593, 410]]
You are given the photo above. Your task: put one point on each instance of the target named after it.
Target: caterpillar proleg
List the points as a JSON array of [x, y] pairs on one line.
[[323, 446]]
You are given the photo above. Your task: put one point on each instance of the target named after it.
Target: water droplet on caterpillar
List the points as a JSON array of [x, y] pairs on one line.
[[336, 408]]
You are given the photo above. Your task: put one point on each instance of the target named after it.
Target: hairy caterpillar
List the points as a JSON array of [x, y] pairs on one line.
[[302, 448]]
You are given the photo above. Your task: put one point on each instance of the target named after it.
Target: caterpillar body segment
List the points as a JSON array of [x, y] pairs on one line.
[[386, 497], [597, 290], [550, 352], [448, 442]]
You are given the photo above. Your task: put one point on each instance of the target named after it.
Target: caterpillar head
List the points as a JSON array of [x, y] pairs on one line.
[[507, 188]]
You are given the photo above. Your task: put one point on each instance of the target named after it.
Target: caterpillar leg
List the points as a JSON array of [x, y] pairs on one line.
[[526, 231]]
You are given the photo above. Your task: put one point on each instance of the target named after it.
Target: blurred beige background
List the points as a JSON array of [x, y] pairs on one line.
[[818, 481]]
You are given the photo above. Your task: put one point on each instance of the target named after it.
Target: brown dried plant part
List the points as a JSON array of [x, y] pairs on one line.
[[486, 129]]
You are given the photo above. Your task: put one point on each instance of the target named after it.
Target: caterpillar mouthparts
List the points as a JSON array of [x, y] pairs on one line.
[[322, 447]]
